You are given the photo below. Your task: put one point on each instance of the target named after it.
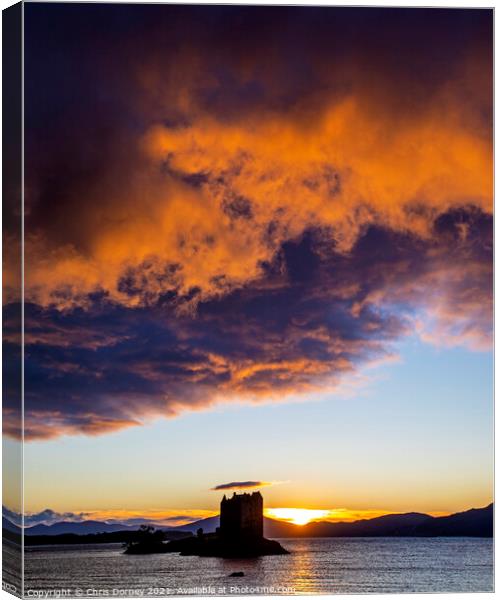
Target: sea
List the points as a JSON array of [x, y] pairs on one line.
[[314, 566]]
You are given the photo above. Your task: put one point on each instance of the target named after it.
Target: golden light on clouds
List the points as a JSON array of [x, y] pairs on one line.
[[222, 226], [347, 169]]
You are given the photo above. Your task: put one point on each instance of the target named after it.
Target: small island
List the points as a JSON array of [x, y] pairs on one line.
[[240, 535], [148, 541]]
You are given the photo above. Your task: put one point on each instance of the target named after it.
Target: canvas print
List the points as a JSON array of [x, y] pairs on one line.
[[248, 294]]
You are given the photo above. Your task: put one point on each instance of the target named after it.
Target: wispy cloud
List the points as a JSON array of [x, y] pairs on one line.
[[241, 485], [46, 517]]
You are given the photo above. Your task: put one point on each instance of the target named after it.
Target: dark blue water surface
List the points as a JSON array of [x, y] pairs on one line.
[[314, 566]]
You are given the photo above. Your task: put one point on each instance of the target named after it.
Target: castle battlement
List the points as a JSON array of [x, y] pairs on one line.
[[242, 516]]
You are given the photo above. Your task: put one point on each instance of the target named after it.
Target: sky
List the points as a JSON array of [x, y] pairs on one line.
[[258, 249]]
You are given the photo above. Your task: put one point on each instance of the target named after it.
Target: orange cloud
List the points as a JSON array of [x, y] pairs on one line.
[[226, 223], [345, 170], [203, 201]]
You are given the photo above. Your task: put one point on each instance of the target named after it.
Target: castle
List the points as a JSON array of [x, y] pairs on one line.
[[240, 534], [241, 517]]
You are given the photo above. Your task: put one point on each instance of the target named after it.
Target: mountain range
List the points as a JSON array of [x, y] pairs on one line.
[[474, 522], [477, 522]]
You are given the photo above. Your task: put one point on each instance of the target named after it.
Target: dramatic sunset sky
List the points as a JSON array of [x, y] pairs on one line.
[[258, 253]]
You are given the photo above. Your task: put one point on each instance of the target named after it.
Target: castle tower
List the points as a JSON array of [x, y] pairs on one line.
[[242, 516]]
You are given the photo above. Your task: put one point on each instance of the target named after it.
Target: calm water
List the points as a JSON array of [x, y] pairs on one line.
[[315, 566]]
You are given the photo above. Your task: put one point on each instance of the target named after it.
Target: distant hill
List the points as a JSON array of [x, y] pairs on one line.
[[80, 528], [477, 522], [10, 526], [11, 531], [272, 527], [280, 529], [386, 525], [209, 525]]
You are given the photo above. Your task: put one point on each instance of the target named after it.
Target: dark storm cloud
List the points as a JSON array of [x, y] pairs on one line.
[[314, 318], [243, 204]]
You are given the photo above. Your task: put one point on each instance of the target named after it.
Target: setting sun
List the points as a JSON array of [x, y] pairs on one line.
[[298, 516], [303, 516]]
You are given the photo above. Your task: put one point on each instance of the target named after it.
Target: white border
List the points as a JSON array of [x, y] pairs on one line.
[[367, 3]]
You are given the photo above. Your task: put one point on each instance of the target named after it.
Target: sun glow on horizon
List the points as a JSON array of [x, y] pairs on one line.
[[297, 516], [303, 516]]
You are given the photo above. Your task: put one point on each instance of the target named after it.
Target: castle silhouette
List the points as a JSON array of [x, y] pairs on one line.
[[240, 533], [242, 517]]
